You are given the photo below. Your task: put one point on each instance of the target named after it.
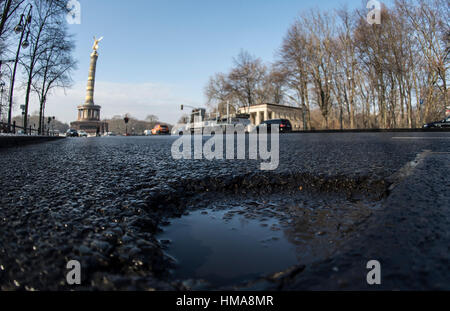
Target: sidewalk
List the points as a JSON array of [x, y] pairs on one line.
[[11, 140]]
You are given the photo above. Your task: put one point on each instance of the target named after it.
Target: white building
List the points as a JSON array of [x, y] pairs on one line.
[[264, 112]]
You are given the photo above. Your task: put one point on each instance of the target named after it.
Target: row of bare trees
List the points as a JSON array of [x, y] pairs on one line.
[[45, 60], [135, 126], [345, 73]]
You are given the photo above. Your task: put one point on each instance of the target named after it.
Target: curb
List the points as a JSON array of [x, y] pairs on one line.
[[18, 141]]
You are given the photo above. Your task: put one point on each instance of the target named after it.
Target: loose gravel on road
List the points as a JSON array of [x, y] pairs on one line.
[[103, 201]]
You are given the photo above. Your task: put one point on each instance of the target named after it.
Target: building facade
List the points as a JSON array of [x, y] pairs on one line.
[[264, 112]]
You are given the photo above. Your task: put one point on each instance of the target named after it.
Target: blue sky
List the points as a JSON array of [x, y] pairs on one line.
[[159, 54]]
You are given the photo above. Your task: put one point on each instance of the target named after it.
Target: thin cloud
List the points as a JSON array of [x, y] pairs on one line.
[[139, 100]]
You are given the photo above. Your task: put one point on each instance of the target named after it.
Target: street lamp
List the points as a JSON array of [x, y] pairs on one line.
[[49, 120], [26, 44], [19, 29], [126, 120], [23, 115], [2, 91]]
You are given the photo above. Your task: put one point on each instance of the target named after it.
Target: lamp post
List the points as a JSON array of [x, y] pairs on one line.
[[2, 90], [49, 121], [23, 117], [126, 120], [20, 28]]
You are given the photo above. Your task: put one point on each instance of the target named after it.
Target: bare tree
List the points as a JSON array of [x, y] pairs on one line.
[[337, 66], [152, 118], [47, 15], [273, 87], [429, 26], [293, 61], [246, 79], [219, 91], [243, 86], [134, 126], [54, 65], [10, 10], [346, 64], [319, 59]]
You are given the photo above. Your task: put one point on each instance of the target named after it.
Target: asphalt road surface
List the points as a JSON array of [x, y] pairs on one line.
[[105, 201]]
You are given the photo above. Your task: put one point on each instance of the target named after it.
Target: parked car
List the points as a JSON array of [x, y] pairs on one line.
[[285, 126], [82, 134], [72, 133], [439, 124], [160, 129]]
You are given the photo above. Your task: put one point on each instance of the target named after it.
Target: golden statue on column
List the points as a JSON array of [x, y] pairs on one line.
[[89, 113], [96, 41]]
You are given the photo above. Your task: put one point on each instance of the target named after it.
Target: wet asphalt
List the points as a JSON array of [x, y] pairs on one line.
[[103, 201]]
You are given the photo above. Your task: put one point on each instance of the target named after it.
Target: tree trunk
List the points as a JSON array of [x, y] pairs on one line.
[[41, 116], [27, 96], [308, 108]]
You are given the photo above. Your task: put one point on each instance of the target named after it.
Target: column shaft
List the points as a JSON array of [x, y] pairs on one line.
[[91, 80]]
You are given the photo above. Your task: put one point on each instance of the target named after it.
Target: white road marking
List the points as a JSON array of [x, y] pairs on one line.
[[421, 137], [408, 169]]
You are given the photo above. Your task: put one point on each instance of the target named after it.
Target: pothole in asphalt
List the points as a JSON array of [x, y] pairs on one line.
[[232, 241]]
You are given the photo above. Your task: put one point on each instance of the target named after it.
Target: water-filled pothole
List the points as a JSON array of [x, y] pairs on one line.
[[234, 240], [226, 252]]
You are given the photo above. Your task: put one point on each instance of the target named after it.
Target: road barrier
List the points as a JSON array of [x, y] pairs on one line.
[[5, 128]]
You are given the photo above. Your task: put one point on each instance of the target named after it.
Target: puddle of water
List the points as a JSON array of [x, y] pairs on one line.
[[242, 238], [227, 251]]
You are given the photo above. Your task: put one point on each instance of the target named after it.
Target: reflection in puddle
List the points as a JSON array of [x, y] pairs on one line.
[[224, 252], [233, 241]]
